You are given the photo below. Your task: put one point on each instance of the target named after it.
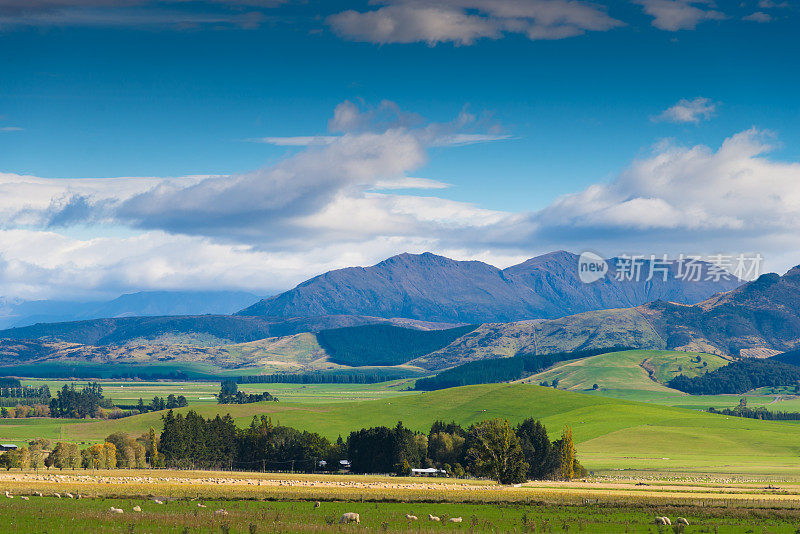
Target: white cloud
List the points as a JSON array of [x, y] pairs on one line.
[[689, 111], [758, 16], [341, 204], [674, 15], [463, 22], [10, 129], [697, 194]]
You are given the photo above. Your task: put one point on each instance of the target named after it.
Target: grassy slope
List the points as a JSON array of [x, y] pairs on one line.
[[625, 373], [590, 330], [610, 433]]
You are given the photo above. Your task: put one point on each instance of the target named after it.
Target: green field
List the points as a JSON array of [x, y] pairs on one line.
[[611, 433], [51, 515]]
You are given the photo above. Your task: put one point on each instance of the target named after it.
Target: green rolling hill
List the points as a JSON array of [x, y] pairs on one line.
[[611, 433], [625, 373]]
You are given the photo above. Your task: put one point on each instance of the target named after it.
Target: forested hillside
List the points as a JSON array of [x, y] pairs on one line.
[[384, 344]]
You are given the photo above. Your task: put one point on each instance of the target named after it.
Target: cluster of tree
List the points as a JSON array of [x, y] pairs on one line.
[[10, 388], [229, 394], [492, 448], [739, 377], [116, 452], [756, 413], [22, 411], [348, 376], [382, 344], [75, 404], [159, 403], [502, 369]]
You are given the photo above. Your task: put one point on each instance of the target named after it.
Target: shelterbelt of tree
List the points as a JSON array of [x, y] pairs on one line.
[[609, 433]]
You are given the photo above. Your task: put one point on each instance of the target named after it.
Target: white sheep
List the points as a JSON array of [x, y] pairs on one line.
[[201, 505], [9, 495], [411, 517], [350, 517], [115, 510], [455, 520], [24, 497], [37, 493], [69, 496], [57, 495], [317, 505], [663, 521], [433, 518], [137, 508], [682, 521], [221, 512], [157, 501]]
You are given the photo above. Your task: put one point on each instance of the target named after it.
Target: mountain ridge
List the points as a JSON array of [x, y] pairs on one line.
[[436, 288]]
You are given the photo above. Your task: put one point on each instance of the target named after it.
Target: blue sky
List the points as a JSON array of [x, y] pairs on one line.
[[558, 97]]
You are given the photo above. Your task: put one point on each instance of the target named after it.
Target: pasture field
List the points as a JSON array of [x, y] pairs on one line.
[[128, 392], [254, 503], [610, 434]]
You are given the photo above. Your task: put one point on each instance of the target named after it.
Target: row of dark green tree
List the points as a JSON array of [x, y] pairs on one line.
[[229, 394], [739, 377], [492, 448], [79, 404], [159, 403]]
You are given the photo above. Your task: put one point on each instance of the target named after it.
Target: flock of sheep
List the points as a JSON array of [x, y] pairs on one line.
[[352, 517], [347, 517], [664, 521]]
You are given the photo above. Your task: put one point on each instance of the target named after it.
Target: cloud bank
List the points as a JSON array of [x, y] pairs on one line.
[[359, 198]]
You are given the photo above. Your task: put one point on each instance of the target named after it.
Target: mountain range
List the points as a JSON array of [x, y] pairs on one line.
[[140, 304], [434, 288]]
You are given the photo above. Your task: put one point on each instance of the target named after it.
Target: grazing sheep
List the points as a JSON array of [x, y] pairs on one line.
[[37, 493], [455, 520], [411, 517], [24, 497], [682, 521], [221, 512], [9, 495], [115, 510], [57, 495], [69, 496], [137, 508], [660, 521], [201, 505], [157, 501], [350, 517], [433, 518], [317, 505]]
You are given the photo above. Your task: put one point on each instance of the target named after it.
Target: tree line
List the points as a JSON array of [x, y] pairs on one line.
[[738, 377], [229, 394], [491, 448]]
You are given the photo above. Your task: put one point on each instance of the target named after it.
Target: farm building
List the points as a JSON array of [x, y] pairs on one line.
[[428, 472]]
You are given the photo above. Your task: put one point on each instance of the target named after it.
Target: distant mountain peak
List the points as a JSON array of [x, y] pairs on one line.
[[431, 287]]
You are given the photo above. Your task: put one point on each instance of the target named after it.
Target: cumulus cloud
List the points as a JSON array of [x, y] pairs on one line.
[[688, 111], [758, 16], [694, 196], [463, 22], [674, 15], [348, 203]]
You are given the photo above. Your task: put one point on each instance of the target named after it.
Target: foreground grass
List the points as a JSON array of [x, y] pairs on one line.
[[51, 515]]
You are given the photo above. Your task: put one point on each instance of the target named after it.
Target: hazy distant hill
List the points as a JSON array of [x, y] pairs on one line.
[[143, 303], [435, 288], [203, 330]]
